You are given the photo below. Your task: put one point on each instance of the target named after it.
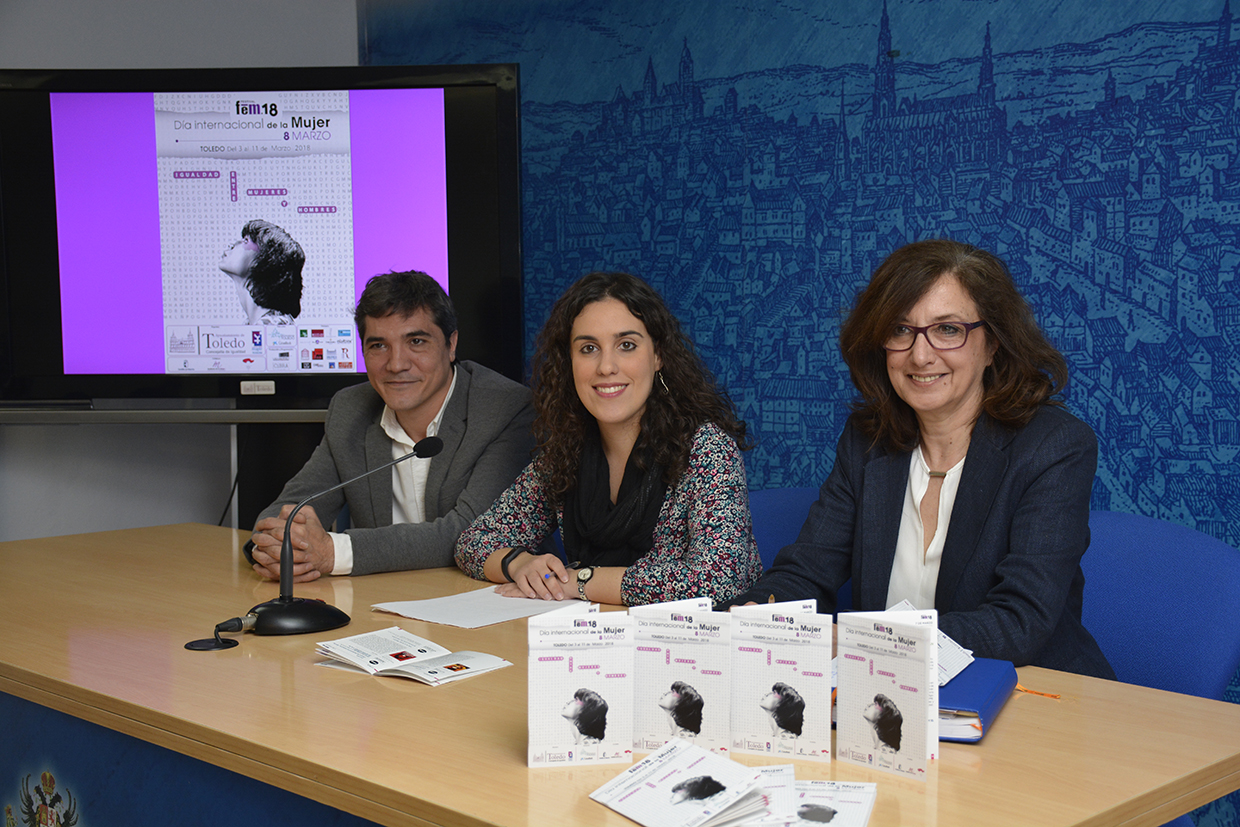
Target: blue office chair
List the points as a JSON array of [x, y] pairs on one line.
[[778, 514], [1162, 601]]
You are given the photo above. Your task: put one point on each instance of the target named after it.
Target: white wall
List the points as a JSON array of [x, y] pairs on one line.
[[165, 34], [65, 479]]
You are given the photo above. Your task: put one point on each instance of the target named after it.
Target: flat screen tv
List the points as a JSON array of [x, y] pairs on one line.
[[204, 234]]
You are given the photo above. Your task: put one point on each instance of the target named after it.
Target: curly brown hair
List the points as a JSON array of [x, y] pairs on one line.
[[671, 417], [1026, 372]]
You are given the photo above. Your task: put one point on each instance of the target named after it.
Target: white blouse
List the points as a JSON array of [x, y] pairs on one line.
[[914, 574]]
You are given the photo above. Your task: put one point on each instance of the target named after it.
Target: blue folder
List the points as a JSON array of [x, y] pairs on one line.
[[970, 702]]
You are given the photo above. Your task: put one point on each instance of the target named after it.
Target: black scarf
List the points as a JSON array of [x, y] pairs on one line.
[[595, 531]]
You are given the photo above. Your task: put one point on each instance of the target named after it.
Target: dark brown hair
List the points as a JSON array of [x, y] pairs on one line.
[[671, 417], [404, 294], [1026, 371]]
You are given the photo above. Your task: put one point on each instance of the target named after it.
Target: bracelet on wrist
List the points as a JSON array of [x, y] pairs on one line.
[[509, 557]]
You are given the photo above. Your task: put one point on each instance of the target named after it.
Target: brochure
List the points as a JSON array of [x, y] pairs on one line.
[[683, 688], [838, 803], [781, 680], [778, 782], [402, 654], [684, 785], [580, 687], [888, 710]]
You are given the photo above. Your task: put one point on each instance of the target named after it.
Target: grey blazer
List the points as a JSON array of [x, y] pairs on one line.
[[1010, 584], [487, 441]]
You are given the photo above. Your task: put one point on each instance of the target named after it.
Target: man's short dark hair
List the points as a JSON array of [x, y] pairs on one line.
[[404, 294]]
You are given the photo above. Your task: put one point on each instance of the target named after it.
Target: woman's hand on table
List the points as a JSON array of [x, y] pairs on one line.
[[537, 576]]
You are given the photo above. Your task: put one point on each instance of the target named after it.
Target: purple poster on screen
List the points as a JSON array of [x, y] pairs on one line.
[[232, 232]]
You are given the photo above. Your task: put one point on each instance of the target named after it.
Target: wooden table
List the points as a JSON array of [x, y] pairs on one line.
[[103, 619]]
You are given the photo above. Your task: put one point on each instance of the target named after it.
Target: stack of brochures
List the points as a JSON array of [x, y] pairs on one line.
[[685, 785], [402, 654], [842, 803], [791, 802]]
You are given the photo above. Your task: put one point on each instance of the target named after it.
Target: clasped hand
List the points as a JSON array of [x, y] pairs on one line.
[[538, 576], [314, 554]]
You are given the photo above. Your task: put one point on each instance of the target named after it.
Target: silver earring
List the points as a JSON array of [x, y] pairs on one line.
[[663, 382]]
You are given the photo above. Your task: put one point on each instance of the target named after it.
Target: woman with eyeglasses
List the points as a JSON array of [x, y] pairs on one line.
[[960, 482]]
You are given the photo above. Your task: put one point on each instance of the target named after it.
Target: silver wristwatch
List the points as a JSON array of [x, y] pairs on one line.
[[583, 576]]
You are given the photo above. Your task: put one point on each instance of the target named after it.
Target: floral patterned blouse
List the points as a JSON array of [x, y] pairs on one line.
[[703, 541]]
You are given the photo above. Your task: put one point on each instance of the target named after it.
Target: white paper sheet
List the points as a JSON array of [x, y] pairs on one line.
[[470, 610], [953, 657]]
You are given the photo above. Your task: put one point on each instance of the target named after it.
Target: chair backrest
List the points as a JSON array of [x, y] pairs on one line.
[[1163, 602], [778, 514]]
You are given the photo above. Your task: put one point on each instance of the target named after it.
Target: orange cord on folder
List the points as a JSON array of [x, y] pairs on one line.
[[1020, 688]]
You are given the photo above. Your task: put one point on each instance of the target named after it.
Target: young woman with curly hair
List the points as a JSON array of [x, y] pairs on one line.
[[638, 464]]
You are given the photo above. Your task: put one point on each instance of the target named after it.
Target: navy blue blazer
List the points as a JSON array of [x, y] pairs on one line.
[[1010, 584]]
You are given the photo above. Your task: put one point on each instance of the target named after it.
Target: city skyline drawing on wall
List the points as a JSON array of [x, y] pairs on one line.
[[757, 188]]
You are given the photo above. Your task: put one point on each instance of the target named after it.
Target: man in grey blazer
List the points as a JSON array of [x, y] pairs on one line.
[[409, 517]]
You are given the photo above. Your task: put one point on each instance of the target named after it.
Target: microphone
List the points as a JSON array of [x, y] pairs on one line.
[[289, 615]]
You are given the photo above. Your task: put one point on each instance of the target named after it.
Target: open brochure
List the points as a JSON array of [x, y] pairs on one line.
[[683, 687], [888, 711], [684, 785], [781, 680], [402, 654], [580, 687]]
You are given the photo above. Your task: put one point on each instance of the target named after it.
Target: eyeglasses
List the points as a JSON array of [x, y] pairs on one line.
[[940, 335]]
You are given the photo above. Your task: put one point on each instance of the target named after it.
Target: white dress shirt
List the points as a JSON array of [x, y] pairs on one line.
[[408, 480], [915, 570]]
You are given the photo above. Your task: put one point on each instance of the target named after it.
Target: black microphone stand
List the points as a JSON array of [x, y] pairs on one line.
[[289, 615]]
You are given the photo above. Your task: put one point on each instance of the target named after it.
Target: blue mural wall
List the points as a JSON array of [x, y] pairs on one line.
[[755, 161]]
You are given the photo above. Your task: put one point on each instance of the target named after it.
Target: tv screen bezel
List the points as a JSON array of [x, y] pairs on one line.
[[482, 140]]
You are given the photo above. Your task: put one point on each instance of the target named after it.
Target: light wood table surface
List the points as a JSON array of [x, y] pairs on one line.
[[94, 625]]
